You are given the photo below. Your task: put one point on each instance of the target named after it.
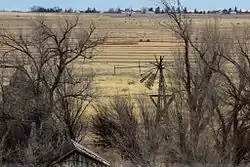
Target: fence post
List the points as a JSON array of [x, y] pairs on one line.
[[114, 69], [139, 66]]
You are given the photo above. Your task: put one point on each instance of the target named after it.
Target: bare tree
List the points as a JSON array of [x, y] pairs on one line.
[[234, 120], [74, 97], [212, 79], [49, 93], [194, 83]]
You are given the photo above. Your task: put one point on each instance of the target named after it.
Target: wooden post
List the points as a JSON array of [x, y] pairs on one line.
[[139, 66], [114, 69]]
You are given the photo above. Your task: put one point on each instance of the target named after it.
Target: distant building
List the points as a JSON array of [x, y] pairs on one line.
[[138, 11], [150, 12], [215, 12], [233, 12]]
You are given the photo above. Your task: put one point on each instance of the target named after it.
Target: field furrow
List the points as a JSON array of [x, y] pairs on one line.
[[132, 42]]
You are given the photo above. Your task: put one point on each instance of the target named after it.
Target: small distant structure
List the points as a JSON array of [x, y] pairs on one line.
[[233, 12], [138, 11], [215, 12], [150, 12]]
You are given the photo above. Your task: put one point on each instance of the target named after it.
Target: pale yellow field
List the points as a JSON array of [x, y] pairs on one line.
[[123, 47]]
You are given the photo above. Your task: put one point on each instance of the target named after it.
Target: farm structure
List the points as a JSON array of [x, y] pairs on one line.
[[72, 154]]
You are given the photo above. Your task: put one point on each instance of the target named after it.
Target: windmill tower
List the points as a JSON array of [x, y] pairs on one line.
[[149, 78]]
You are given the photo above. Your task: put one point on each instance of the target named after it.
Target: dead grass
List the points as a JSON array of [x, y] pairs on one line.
[[126, 45]]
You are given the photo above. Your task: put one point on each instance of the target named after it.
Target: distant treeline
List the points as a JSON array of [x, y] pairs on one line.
[[60, 10], [143, 10]]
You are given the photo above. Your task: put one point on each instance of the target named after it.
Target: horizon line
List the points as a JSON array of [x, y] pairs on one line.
[[104, 10]]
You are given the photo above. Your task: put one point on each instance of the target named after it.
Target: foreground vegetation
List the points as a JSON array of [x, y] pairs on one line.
[[205, 118]]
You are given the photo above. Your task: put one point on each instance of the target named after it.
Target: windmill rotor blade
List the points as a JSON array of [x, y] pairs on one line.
[[146, 76], [151, 80], [145, 73], [154, 63], [148, 85], [149, 76], [153, 77], [150, 62], [142, 80]]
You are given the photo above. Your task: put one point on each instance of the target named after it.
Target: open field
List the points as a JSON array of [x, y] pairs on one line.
[[131, 41]]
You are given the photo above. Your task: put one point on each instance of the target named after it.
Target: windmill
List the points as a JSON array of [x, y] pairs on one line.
[[149, 78]]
